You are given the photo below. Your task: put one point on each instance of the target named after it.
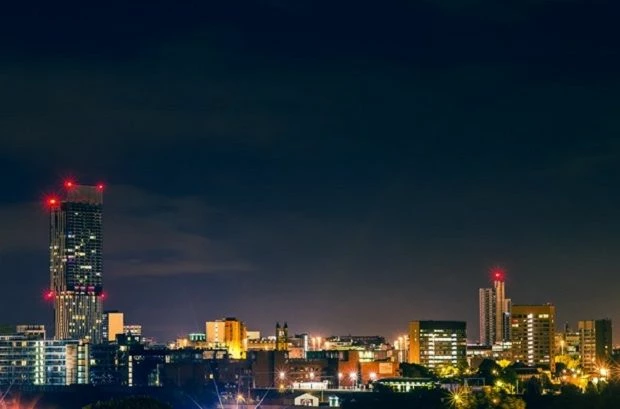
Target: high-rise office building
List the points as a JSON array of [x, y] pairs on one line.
[[76, 262], [438, 343], [494, 311], [229, 333], [595, 343], [533, 334], [113, 323], [487, 314]]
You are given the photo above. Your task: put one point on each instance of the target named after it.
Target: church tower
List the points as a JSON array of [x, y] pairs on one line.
[[281, 337]]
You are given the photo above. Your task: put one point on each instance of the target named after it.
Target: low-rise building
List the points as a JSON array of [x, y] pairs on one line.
[[26, 357]]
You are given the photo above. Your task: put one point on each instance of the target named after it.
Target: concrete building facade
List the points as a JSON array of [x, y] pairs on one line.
[[533, 334], [436, 344]]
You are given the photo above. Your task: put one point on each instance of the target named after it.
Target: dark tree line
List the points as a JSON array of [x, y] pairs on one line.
[[130, 403]]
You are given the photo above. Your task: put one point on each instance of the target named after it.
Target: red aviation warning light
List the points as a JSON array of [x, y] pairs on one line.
[[52, 202], [69, 184], [100, 186], [49, 295], [498, 273], [103, 296]]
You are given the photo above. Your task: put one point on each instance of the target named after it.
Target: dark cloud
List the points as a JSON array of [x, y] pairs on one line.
[[293, 158], [145, 235]]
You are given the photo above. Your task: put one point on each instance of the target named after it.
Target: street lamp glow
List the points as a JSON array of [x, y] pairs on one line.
[[456, 399], [282, 374]]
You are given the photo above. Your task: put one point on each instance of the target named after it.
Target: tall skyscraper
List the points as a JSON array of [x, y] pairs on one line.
[[76, 262], [494, 311], [487, 314], [533, 334], [595, 344]]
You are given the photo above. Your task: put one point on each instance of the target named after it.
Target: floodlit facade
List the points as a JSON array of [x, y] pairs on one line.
[[494, 311], [113, 323], [281, 337], [229, 333], [595, 343], [76, 262], [436, 344], [502, 309], [306, 399], [533, 334]]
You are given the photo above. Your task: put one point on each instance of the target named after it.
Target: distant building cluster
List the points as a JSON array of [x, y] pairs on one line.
[[93, 346], [527, 334]]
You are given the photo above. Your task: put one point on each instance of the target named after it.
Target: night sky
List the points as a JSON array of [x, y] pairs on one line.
[[343, 166]]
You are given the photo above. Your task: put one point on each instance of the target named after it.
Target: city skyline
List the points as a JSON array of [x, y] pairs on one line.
[[85, 228], [292, 163]]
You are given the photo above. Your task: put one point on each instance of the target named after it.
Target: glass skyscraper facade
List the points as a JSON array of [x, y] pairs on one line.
[[76, 263]]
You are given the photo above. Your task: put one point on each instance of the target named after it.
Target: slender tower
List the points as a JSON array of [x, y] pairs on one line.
[[494, 310], [487, 316], [76, 262], [500, 306]]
